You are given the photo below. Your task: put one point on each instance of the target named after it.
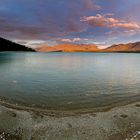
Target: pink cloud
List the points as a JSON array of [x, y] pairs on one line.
[[90, 5], [110, 22], [128, 26]]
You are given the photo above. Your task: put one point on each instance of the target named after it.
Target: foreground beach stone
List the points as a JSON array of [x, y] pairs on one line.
[[119, 123]]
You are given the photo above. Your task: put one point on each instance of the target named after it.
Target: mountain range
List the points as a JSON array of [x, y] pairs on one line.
[[6, 45], [68, 48], [130, 47]]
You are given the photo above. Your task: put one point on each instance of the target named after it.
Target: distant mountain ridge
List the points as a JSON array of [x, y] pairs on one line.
[[6, 45], [130, 47], [69, 48]]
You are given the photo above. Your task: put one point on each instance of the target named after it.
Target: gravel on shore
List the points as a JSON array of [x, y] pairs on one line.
[[119, 123]]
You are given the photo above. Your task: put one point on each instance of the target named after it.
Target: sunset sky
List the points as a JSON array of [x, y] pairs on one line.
[[101, 22]]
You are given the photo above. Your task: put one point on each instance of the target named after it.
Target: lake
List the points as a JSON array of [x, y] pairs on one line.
[[69, 81]]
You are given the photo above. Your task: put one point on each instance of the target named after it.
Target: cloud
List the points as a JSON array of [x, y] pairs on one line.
[[127, 26], [124, 33], [100, 44], [75, 40], [42, 19], [32, 43], [51, 20], [71, 40], [35, 43], [109, 22], [79, 40], [90, 5]]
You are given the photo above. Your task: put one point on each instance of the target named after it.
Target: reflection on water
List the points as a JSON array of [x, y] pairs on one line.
[[69, 80]]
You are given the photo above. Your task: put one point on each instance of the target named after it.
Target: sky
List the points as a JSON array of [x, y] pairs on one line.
[[100, 22]]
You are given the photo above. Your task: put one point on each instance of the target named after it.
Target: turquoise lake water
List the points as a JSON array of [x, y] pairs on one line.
[[71, 81]]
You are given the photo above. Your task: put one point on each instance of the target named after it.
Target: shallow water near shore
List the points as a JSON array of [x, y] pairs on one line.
[[69, 81]]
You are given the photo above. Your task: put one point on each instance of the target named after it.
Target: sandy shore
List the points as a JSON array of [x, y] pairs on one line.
[[118, 123]]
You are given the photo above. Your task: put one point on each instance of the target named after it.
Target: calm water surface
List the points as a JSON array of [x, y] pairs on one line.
[[71, 81]]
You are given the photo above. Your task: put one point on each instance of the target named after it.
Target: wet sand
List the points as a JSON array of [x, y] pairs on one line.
[[118, 123]]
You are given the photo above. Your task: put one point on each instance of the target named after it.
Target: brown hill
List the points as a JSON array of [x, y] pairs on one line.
[[68, 48], [130, 47]]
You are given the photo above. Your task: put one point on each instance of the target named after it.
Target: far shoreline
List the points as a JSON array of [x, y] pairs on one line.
[[115, 52]]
